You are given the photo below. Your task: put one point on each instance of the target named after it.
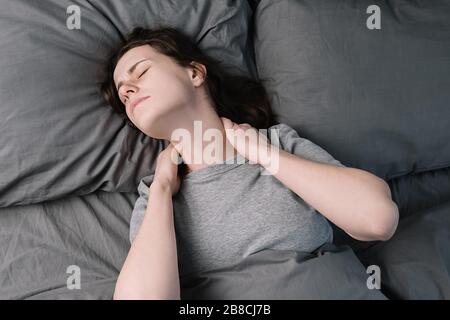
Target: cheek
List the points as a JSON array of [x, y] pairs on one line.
[[174, 87]]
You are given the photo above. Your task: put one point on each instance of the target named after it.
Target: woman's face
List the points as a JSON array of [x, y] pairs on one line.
[[154, 89]]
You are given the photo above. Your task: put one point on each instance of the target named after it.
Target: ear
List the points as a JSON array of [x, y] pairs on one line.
[[197, 73]]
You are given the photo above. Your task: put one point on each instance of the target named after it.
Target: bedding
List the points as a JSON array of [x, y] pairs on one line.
[[58, 137], [330, 272], [415, 263], [361, 93], [40, 242], [415, 193]]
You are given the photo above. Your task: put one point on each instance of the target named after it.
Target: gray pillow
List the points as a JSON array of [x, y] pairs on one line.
[[377, 99], [57, 135]]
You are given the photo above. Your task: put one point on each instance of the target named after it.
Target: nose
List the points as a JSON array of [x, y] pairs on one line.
[[129, 90]]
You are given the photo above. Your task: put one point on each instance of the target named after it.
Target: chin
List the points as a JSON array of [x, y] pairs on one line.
[[152, 123], [151, 129]]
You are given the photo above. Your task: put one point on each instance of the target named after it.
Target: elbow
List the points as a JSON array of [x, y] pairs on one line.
[[386, 221]]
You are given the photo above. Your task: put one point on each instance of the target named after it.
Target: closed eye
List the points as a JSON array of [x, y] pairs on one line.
[[143, 73]]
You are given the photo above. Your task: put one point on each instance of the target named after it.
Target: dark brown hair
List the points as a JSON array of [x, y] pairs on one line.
[[236, 97]]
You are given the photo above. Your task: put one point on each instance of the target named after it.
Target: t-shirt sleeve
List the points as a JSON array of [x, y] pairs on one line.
[[140, 206], [290, 141]]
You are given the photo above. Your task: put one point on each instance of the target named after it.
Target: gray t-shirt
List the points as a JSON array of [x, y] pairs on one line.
[[225, 212]]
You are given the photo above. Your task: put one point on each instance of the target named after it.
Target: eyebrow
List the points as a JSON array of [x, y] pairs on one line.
[[131, 70]]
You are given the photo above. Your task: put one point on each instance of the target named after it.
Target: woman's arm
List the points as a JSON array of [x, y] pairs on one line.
[[150, 270], [355, 200]]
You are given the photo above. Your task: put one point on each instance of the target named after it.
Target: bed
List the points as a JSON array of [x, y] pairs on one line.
[[374, 98]]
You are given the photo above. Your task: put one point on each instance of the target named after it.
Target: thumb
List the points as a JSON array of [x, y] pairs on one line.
[[175, 155], [177, 146]]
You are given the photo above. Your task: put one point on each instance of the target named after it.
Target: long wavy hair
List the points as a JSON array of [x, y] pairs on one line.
[[236, 97]]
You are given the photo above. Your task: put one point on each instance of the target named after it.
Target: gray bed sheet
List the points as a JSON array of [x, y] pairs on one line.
[[40, 242]]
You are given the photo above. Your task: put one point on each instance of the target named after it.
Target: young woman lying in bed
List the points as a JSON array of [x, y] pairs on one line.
[[239, 193]]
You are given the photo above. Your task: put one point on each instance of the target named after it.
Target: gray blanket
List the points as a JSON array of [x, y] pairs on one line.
[[329, 273], [45, 247]]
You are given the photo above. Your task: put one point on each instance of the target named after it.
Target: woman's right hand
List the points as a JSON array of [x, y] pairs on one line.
[[166, 172]]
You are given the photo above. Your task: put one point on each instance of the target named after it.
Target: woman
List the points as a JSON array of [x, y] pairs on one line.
[[217, 211]]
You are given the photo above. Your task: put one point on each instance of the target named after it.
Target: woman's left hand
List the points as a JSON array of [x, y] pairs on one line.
[[248, 141]]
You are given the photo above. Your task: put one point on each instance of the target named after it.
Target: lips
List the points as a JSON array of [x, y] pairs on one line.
[[139, 100]]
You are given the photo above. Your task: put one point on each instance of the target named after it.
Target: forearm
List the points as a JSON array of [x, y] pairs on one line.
[[150, 270], [355, 200]]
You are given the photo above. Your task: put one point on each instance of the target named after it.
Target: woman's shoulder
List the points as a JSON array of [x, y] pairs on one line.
[[281, 133], [282, 128], [289, 139], [144, 185]]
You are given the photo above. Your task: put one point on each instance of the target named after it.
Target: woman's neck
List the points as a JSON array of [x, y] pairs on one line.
[[204, 141]]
